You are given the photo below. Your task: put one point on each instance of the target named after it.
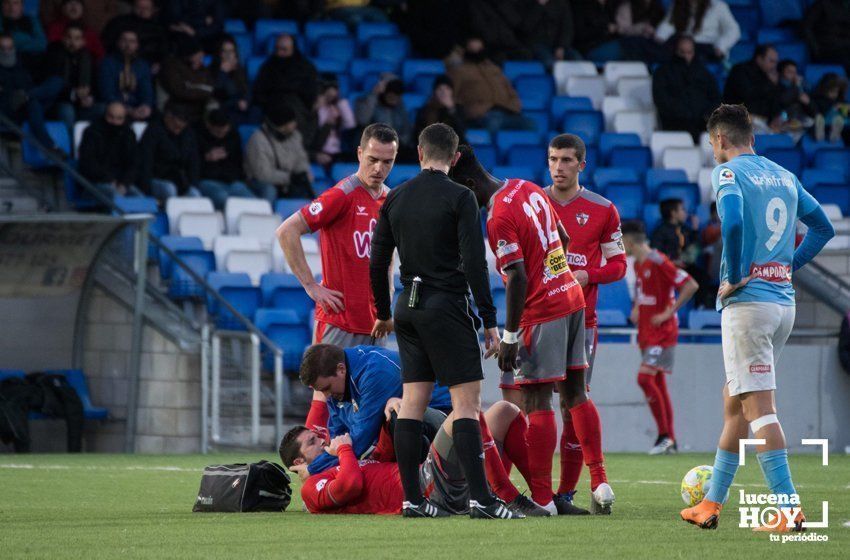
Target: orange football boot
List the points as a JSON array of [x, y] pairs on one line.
[[783, 526], [705, 514]]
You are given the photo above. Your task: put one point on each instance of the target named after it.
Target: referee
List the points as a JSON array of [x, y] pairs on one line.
[[435, 224]]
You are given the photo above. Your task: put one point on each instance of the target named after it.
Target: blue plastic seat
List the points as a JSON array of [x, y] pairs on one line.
[[628, 198], [748, 20], [535, 92], [588, 125], [657, 177], [402, 172], [245, 45], [391, 49], [314, 31], [288, 331], [837, 159], [560, 104], [478, 137], [513, 69], [540, 118], [232, 26], [789, 158], [638, 158], [591, 158], [413, 101], [811, 147], [610, 140], [236, 288], [770, 35], [814, 72], [264, 29], [252, 67], [814, 177], [285, 207], [506, 139], [284, 291], [651, 217], [834, 194], [58, 133], [145, 205], [515, 172], [775, 12], [77, 379], [245, 132], [339, 47], [330, 65], [615, 296], [487, 156], [9, 373], [368, 30], [768, 141], [796, 51], [703, 319], [412, 67], [688, 192], [423, 83], [606, 175], [742, 51], [340, 171], [190, 250], [361, 67], [526, 154]]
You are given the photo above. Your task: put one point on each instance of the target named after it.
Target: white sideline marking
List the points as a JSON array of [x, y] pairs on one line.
[[97, 468]]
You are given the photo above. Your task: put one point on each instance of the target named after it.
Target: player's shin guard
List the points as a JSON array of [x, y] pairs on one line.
[[466, 434], [777, 473], [516, 447], [654, 400], [572, 458], [408, 443], [493, 467], [661, 383], [723, 473], [542, 438], [588, 428]]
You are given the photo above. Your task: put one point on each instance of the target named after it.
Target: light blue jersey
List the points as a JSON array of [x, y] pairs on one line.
[[773, 199]]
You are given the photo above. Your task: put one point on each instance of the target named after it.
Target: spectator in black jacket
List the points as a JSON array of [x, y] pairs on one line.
[[70, 60], [825, 28], [755, 84], [442, 108], [107, 155], [201, 19], [230, 83], [499, 24], [793, 98], [547, 26], [220, 148], [684, 91], [596, 35], [152, 34], [673, 236], [169, 164]]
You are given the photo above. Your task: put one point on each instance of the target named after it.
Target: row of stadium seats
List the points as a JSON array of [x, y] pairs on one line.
[[77, 380]]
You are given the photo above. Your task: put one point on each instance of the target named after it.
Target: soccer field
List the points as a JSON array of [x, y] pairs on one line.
[[132, 506]]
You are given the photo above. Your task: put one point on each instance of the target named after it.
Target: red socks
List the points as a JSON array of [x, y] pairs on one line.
[[655, 401], [661, 383], [516, 447], [588, 428], [384, 451], [542, 438], [317, 418], [499, 480], [572, 458]]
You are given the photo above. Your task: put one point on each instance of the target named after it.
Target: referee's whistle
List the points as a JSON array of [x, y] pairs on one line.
[[413, 299]]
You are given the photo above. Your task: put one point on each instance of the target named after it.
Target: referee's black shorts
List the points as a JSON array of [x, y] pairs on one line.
[[438, 340]]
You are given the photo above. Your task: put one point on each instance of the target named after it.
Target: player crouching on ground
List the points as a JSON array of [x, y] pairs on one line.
[[654, 313], [372, 487]]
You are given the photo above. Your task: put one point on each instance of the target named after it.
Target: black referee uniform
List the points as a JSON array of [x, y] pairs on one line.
[[436, 226]]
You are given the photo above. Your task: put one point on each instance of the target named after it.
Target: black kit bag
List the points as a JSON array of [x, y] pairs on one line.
[[244, 487]]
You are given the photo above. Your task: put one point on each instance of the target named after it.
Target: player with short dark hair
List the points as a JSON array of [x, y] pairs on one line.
[[759, 203], [593, 224]]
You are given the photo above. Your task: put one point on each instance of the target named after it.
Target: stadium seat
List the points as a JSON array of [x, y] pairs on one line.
[[237, 290], [813, 177], [423, 83], [615, 296], [662, 139], [339, 47], [617, 69], [11, 373], [777, 12], [478, 137], [176, 205], [834, 194], [236, 253], [688, 192], [145, 205], [330, 65], [706, 191], [402, 172], [362, 67], [707, 151], [236, 206], [742, 51], [564, 69], [246, 131], [285, 207], [535, 92], [833, 212], [814, 73], [204, 225], [58, 133], [191, 251], [244, 45], [703, 319], [610, 140], [540, 118], [340, 171], [77, 380], [526, 172], [627, 197], [487, 155], [637, 89], [689, 159], [284, 291], [527, 154], [516, 68], [591, 158], [176, 243], [641, 123], [232, 26], [588, 125], [288, 331], [560, 104], [314, 31], [638, 158], [651, 217], [789, 158], [811, 147], [412, 67], [262, 227], [368, 30], [771, 35], [613, 104], [747, 18], [310, 245], [391, 49], [837, 159], [252, 67], [606, 175], [505, 139], [79, 128], [796, 51], [592, 87], [265, 29], [414, 101], [768, 141]]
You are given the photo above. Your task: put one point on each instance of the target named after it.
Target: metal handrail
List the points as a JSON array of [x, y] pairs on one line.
[[109, 203], [796, 333]]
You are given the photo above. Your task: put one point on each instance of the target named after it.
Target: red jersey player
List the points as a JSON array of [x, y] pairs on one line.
[[654, 313], [593, 224], [544, 327], [346, 216]]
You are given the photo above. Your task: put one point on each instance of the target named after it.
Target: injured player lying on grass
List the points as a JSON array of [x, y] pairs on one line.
[[371, 486]]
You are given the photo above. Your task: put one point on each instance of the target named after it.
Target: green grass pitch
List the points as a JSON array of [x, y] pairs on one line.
[[126, 506]]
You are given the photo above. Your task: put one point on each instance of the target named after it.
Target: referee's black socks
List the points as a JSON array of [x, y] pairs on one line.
[[408, 448], [466, 433]]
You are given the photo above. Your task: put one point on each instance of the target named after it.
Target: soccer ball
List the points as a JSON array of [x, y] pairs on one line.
[[696, 483]]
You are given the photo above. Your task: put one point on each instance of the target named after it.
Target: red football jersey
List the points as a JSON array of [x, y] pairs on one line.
[[593, 223], [523, 226], [354, 487], [657, 281], [346, 215]]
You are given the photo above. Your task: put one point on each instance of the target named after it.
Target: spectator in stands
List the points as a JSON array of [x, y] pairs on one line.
[[596, 35], [825, 28], [107, 153], [832, 109], [684, 91], [220, 149], [98, 12], [442, 108], [712, 243], [202, 20], [384, 104], [21, 98], [488, 97], [73, 12], [674, 236], [353, 12], [710, 22], [547, 27], [794, 101], [69, 60], [335, 119], [152, 34], [186, 80], [755, 84], [25, 30], [126, 77], [169, 162], [230, 83], [435, 27], [275, 159], [288, 78], [499, 23], [636, 21]]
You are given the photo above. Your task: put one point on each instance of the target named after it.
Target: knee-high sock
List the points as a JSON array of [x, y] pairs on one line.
[[588, 428], [408, 444], [499, 480], [655, 401], [516, 447], [777, 473], [384, 450], [661, 382], [466, 434], [725, 467], [542, 438], [572, 458]]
